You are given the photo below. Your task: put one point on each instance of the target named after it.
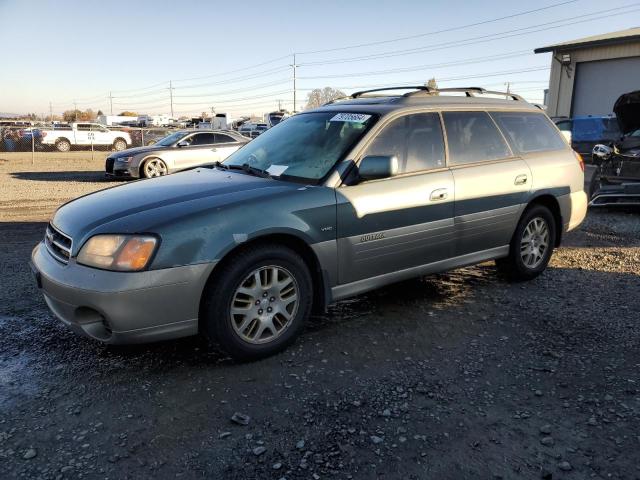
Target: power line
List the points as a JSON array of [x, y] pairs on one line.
[[468, 61], [244, 89], [233, 71], [452, 29], [239, 99], [478, 39]]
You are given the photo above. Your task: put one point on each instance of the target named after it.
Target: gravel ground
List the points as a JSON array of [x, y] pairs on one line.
[[452, 376]]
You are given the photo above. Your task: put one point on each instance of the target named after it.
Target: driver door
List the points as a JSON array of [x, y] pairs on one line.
[[201, 149], [401, 222]]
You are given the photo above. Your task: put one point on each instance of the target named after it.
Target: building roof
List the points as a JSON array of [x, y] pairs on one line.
[[621, 36]]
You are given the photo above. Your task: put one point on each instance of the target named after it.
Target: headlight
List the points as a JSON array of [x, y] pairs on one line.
[[124, 159], [125, 253]]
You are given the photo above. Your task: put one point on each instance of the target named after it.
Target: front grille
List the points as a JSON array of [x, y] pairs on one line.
[[108, 166], [58, 244]]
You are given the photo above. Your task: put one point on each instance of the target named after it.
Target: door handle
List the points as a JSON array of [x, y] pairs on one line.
[[439, 194], [520, 180]]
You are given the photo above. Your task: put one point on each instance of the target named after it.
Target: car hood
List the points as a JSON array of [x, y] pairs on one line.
[[129, 152], [133, 207], [627, 110]]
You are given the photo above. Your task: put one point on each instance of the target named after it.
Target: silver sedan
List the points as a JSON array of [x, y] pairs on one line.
[[178, 151]]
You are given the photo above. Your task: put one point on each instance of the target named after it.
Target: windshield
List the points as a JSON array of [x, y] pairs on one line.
[[170, 139], [306, 146]]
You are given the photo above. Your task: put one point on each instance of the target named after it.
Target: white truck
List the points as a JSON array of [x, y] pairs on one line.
[[63, 137]]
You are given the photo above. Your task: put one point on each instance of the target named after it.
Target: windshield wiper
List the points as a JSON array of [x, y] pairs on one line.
[[220, 165], [255, 171]]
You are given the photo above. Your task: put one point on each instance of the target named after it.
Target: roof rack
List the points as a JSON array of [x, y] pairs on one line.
[[429, 91]]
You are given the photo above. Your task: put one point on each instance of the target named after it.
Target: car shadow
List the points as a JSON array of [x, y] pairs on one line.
[[70, 176]]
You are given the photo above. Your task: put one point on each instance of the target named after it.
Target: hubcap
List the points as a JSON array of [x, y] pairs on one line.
[[264, 304], [535, 242], [155, 168]]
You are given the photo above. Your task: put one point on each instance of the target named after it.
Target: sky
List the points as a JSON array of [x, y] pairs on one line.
[[236, 57]]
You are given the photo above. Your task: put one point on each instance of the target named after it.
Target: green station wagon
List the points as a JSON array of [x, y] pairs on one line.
[[360, 193]]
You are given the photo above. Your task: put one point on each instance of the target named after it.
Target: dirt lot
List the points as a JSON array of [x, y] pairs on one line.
[[452, 376]]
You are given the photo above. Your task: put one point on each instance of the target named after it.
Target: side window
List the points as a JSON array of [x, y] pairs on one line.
[[203, 139], [528, 132], [564, 125], [98, 128], [220, 138], [473, 137], [415, 139], [84, 127]]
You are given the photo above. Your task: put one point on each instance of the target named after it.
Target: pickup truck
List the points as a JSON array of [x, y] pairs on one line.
[[63, 137]]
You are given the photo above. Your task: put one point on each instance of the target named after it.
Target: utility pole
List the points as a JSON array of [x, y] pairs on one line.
[[171, 96], [110, 103], [75, 109], [294, 83], [50, 112], [508, 84], [279, 105]]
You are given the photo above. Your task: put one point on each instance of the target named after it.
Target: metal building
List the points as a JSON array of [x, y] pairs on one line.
[[589, 74]]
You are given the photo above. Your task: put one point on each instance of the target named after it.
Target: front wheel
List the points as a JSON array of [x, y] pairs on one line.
[[258, 302], [531, 245], [154, 167], [63, 145]]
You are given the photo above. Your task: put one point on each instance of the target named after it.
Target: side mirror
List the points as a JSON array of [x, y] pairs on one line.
[[374, 167], [183, 143], [601, 153]]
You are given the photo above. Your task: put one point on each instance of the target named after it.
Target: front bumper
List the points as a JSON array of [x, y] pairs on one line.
[[122, 307], [116, 169]]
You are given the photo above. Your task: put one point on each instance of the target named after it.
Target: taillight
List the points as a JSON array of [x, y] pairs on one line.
[[579, 159]]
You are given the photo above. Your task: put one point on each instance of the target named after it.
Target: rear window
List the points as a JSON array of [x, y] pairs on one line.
[[473, 137], [528, 132]]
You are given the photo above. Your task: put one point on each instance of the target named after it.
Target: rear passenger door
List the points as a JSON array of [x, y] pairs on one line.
[[404, 221], [491, 182]]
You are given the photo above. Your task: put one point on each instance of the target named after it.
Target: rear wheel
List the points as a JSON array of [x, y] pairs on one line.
[[531, 245], [258, 302], [154, 167], [63, 145], [119, 145]]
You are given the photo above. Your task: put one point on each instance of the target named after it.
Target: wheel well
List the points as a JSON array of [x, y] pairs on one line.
[[143, 162], [120, 138], [551, 203], [60, 139], [294, 243]]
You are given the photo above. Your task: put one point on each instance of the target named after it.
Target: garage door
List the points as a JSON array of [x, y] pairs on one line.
[[599, 84]]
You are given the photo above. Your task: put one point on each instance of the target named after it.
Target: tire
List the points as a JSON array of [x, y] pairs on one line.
[[536, 221], [63, 145], [154, 167], [235, 289], [119, 144]]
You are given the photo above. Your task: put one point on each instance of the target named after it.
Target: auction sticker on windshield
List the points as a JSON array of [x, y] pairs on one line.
[[277, 170], [350, 117]]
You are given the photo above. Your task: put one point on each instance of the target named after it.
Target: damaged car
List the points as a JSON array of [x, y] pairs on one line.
[[616, 180]]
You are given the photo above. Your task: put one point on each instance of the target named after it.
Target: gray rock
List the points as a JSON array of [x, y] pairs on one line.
[[547, 441], [240, 418], [277, 466], [259, 451], [224, 435], [30, 453], [386, 412], [545, 429], [375, 439], [565, 466], [300, 445]]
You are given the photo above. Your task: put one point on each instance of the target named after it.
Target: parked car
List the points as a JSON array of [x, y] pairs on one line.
[[331, 203], [178, 151], [81, 134], [616, 180], [141, 137], [588, 131]]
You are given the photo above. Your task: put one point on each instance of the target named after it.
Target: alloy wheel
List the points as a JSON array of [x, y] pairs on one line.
[[534, 243], [264, 304], [155, 168]]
